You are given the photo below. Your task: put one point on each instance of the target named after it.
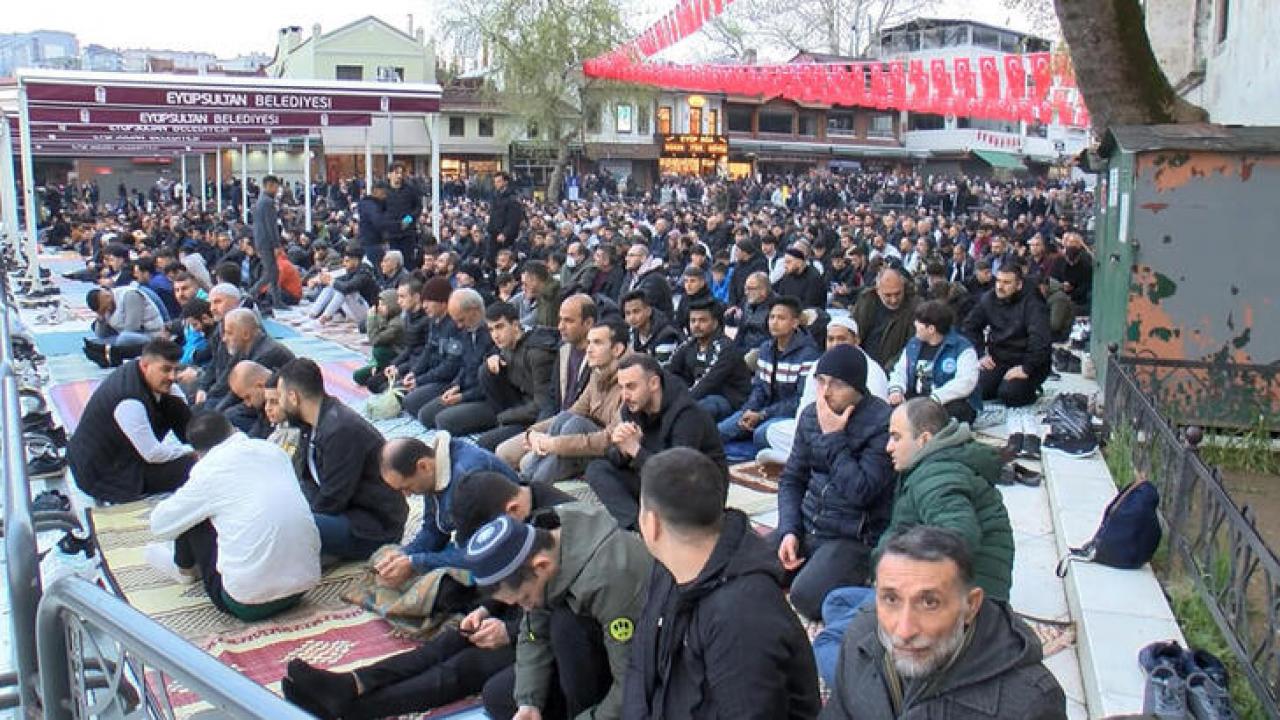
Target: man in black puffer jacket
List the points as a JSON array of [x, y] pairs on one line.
[[403, 204], [716, 638], [1010, 330], [836, 492]]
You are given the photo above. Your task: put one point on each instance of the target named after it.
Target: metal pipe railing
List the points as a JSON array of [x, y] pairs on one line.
[[22, 563], [233, 694]]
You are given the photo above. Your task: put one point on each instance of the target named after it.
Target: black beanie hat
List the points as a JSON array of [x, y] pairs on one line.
[[847, 363]]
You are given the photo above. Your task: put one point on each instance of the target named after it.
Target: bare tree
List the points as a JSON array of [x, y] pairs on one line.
[[1116, 70], [1040, 13], [535, 51], [838, 27]]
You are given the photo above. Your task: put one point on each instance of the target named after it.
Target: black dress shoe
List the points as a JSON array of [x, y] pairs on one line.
[[1030, 447], [1012, 448]]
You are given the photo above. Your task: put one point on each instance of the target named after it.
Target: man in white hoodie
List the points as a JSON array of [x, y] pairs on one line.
[[241, 523]]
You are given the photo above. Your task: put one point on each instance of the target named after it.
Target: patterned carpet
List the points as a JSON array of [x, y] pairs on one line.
[[123, 533]]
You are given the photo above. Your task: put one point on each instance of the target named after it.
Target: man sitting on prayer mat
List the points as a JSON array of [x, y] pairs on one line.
[[241, 523]]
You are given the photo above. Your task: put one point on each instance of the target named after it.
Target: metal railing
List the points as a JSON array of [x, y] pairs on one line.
[[77, 617], [78, 649], [22, 564], [1215, 540]]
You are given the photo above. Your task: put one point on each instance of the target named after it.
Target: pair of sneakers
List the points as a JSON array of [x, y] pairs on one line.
[[1184, 683]]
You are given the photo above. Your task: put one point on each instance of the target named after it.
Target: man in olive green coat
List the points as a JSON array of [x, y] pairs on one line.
[[947, 480], [583, 586]]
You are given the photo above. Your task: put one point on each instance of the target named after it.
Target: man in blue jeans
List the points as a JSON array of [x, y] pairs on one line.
[[784, 360], [355, 511]]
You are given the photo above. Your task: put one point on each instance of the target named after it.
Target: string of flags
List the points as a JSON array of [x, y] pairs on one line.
[[1031, 87]]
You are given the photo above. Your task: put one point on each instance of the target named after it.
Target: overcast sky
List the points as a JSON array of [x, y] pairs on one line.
[[232, 27]]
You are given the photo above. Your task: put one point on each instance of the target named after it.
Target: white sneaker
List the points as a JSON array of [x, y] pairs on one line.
[[159, 556]]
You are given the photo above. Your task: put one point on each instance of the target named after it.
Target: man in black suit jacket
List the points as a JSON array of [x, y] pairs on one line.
[[355, 511]]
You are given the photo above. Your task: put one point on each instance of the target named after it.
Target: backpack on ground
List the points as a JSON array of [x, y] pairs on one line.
[[1129, 534]]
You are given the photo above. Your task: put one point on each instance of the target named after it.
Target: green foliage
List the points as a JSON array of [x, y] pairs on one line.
[[1248, 451], [1119, 455], [1202, 631], [1193, 616]]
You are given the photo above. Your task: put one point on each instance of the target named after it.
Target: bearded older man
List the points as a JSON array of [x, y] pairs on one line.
[[936, 646]]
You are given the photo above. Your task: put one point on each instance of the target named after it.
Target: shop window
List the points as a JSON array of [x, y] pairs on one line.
[[841, 123], [777, 121], [642, 119], [713, 122], [457, 126], [695, 121], [486, 127], [739, 118], [664, 120], [926, 121], [881, 125]]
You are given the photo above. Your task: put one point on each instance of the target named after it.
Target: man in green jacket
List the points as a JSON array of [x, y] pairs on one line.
[[947, 480], [582, 585]]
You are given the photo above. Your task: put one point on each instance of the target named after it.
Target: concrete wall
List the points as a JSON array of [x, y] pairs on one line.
[[1239, 85]]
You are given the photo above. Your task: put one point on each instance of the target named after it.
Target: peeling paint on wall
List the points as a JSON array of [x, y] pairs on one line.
[[1172, 169]]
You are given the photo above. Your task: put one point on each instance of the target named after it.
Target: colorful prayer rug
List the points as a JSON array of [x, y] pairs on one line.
[[123, 532], [338, 640], [755, 476]]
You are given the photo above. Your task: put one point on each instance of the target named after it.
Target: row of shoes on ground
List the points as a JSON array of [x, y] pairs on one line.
[[46, 459], [45, 440], [1021, 445], [1070, 426], [1015, 473], [1184, 683]]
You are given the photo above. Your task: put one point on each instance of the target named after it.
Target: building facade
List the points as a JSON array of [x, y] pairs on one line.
[[40, 49], [950, 144], [1220, 55], [369, 50]]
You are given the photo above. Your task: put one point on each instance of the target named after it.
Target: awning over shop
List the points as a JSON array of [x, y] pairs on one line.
[[1000, 160], [622, 151], [87, 114]]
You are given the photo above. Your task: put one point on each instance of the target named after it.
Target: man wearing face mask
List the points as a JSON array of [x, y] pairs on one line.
[[1074, 269]]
